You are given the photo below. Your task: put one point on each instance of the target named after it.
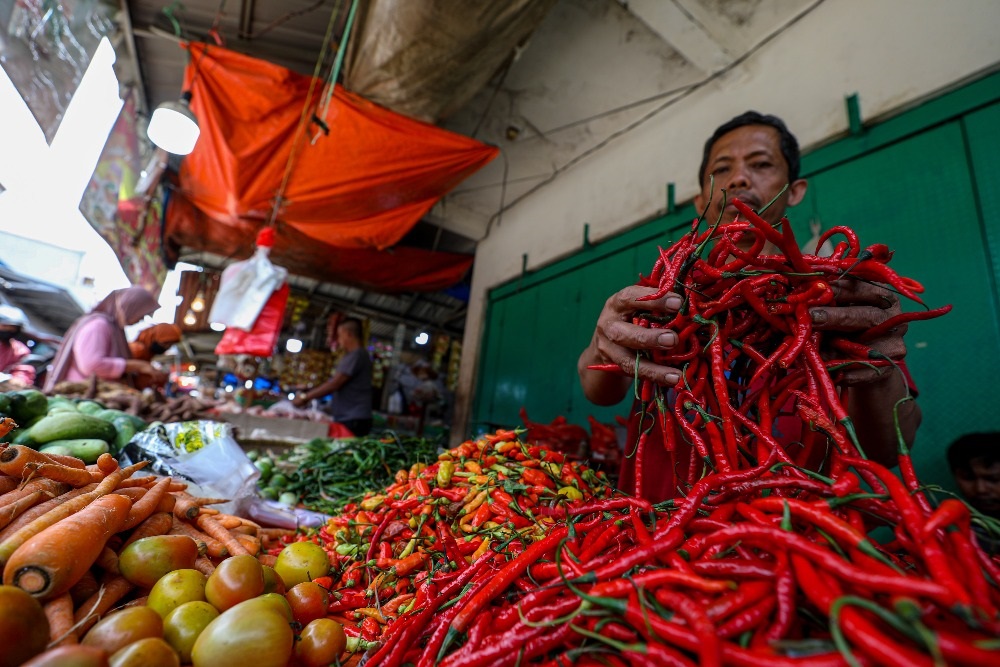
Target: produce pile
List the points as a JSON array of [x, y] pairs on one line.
[[78, 541], [323, 475], [759, 561], [494, 496], [149, 405], [57, 425]]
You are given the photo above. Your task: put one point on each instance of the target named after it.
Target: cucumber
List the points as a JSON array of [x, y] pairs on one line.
[[72, 426], [89, 407], [126, 431], [85, 449]]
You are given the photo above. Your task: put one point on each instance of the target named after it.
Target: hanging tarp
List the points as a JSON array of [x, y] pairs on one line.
[[398, 269], [427, 58], [364, 185]]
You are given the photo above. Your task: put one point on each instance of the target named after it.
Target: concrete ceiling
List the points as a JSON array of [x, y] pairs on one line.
[[591, 69]]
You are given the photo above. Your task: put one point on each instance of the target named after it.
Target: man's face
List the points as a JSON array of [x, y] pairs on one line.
[[342, 339], [747, 163], [980, 485]]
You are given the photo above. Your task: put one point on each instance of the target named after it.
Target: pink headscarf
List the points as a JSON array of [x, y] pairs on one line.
[[120, 308]]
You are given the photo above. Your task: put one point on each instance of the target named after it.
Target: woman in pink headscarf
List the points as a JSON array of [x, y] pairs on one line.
[[96, 344]]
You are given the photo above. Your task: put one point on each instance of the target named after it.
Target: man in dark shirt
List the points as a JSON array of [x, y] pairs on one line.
[[974, 460], [351, 384]]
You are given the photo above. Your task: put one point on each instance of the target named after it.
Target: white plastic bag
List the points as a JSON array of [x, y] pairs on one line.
[[204, 453], [246, 286]]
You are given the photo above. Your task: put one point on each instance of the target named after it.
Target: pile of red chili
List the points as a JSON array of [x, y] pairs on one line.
[[761, 560]]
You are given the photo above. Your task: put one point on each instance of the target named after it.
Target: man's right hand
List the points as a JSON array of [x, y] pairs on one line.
[[616, 340]]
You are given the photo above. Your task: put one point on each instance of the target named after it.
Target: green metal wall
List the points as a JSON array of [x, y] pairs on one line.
[[926, 182]]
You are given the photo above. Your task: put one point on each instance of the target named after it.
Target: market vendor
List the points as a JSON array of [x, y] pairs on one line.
[[154, 341], [95, 345], [351, 384], [13, 351], [752, 157]]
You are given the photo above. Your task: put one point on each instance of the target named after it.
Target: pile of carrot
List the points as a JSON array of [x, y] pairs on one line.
[[64, 523]]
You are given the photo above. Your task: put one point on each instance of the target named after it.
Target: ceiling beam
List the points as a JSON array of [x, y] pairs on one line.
[[678, 28]]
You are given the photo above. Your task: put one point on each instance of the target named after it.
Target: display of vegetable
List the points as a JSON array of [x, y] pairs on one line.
[[84, 548], [323, 474]]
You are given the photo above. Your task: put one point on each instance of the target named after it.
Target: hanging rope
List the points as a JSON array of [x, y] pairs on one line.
[[334, 73], [304, 117]]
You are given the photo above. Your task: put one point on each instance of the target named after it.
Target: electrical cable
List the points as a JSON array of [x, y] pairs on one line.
[[686, 92]]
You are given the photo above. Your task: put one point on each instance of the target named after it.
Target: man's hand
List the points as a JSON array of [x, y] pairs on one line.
[[616, 341], [859, 306], [300, 401]]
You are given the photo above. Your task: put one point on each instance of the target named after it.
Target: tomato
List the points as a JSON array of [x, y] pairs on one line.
[[272, 582], [24, 630], [144, 561], [149, 652], [321, 643], [121, 628], [182, 626], [249, 633], [280, 604], [74, 655], [308, 601], [236, 579], [301, 561], [174, 589]]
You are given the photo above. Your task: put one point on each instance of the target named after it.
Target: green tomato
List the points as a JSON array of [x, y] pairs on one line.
[[253, 632], [120, 628], [182, 626], [269, 494], [146, 560], [301, 561], [278, 481], [288, 498], [174, 589], [253, 455]]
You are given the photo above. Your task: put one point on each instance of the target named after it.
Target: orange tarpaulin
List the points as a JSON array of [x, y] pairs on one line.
[[398, 269], [362, 186]]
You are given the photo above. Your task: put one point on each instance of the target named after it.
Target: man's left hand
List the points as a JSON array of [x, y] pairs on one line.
[[859, 306]]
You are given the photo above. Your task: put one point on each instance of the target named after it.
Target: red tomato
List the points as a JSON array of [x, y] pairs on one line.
[[321, 643], [308, 601], [236, 579]]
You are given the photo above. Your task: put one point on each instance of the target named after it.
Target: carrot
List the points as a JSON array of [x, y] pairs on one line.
[[6, 425], [8, 483], [275, 533], [250, 543], [41, 509], [185, 507], [228, 521], [111, 591], [167, 502], [206, 544], [209, 501], [59, 612], [242, 529], [204, 565], [83, 589], [107, 560], [143, 508], [50, 562], [157, 524], [212, 527], [12, 542], [21, 461], [66, 460], [47, 486], [11, 511], [133, 493]]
